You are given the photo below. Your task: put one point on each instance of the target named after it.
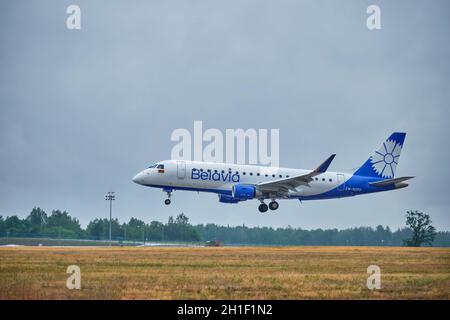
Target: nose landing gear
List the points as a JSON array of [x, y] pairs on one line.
[[169, 193]]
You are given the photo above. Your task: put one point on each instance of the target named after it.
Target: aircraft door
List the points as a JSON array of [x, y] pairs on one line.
[[341, 182], [181, 169]]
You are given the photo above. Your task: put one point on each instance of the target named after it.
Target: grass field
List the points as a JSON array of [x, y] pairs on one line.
[[225, 273]]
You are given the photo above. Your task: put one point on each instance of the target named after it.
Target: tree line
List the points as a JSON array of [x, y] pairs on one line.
[[360, 236], [59, 224]]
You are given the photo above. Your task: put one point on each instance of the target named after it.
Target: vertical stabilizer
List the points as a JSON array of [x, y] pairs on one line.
[[383, 162]]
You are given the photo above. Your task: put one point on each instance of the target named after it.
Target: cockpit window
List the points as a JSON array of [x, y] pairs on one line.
[[160, 166], [152, 166]]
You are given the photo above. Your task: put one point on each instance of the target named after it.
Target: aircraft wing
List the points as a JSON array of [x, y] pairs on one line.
[[286, 184]]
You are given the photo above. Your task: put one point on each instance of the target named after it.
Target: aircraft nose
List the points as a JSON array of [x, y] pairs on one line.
[[139, 178]]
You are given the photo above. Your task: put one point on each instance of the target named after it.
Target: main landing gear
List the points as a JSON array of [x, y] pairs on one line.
[[167, 201], [273, 205], [263, 207]]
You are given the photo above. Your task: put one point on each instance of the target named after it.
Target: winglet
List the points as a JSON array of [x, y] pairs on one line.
[[324, 166]]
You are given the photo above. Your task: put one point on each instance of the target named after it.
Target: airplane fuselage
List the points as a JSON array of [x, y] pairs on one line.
[[220, 177], [236, 182]]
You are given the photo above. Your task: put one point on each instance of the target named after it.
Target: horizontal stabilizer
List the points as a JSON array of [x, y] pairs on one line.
[[388, 182]]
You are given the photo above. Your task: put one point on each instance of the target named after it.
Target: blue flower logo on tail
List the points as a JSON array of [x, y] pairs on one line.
[[385, 160], [382, 163]]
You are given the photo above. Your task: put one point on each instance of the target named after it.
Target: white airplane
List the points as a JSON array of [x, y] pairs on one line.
[[234, 183]]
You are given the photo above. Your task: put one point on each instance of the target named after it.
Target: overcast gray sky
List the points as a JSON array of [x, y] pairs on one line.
[[82, 111]]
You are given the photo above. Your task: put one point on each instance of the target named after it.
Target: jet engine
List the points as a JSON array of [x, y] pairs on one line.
[[227, 199], [244, 192]]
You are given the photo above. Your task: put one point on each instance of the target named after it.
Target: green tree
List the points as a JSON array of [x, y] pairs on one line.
[[2, 225], [422, 230], [180, 229], [60, 223], [37, 220], [182, 219], [135, 229], [99, 229], [15, 225], [155, 230]]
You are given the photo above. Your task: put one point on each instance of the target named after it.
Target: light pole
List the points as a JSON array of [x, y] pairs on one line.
[[110, 197]]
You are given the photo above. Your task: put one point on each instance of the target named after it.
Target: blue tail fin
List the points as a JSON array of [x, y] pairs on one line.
[[383, 162]]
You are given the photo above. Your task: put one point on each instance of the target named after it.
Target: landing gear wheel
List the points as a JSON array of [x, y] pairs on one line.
[[262, 207], [273, 205], [169, 193]]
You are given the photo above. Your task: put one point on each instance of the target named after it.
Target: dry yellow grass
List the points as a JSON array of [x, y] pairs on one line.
[[225, 273]]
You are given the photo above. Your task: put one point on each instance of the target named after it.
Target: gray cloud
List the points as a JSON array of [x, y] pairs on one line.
[[82, 111]]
